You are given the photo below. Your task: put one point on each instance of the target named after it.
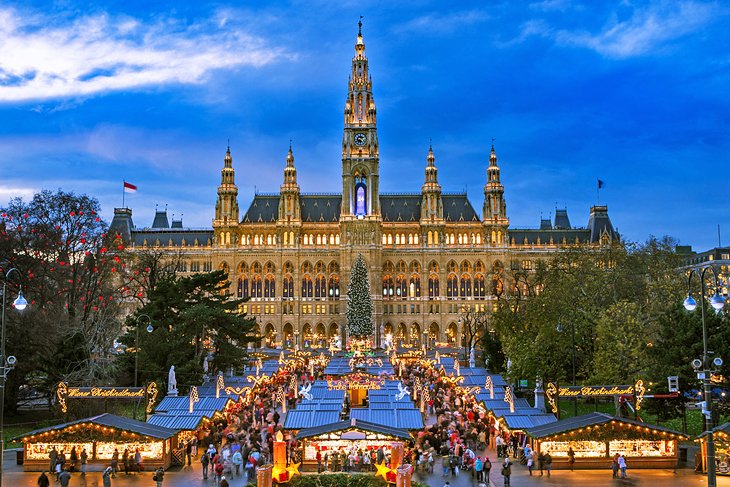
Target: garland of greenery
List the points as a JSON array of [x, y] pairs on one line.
[[610, 432]]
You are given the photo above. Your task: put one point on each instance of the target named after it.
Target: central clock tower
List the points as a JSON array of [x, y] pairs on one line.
[[360, 158]]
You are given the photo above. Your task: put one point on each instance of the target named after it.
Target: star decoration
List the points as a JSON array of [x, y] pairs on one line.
[[293, 469], [383, 470]]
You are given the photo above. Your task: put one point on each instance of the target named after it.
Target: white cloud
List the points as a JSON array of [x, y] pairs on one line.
[[437, 23], [645, 30], [44, 58]]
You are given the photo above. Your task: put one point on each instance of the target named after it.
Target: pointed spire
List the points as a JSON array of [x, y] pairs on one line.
[[228, 160]]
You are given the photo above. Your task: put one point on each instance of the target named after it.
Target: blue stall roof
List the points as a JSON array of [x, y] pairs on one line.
[[187, 422], [182, 403], [407, 419], [296, 419]]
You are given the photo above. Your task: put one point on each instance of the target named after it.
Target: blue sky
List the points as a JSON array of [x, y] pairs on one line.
[[633, 93]]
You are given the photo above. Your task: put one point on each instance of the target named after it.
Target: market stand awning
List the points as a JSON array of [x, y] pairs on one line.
[[106, 421], [181, 404], [187, 422], [723, 429], [592, 420], [353, 425]]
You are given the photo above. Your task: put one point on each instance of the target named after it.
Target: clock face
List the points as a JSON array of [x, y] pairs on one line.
[[360, 139]]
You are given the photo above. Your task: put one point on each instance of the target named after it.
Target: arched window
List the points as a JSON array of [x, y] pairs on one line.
[[269, 287], [401, 286], [333, 287], [288, 287], [388, 287], [480, 291], [452, 286], [415, 286], [361, 203], [433, 286], [320, 287], [307, 287], [465, 286], [242, 287], [256, 288]]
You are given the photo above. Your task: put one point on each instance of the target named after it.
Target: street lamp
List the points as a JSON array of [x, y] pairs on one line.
[[6, 363], [559, 328], [149, 329], [690, 304]]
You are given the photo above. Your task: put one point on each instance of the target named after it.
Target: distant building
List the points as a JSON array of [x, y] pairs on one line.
[[431, 254]]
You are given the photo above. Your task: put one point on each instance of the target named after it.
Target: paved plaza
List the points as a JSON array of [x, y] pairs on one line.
[[192, 476]]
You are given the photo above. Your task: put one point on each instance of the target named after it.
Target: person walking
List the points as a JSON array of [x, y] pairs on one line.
[[614, 466], [204, 462], [224, 482], [478, 468], [106, 477], [506, 471], [137, 460], [319, 461], [115, 462], [541, 462], [237, 460], [159, 476], [622, 466], [125, 461], [84, 459], [548, 462], [530, 461], [52, 456], [73, 459], [64, 477], [487, 467], [571, 458], [43, 480]]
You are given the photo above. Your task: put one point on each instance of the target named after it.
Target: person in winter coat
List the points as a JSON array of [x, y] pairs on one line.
[[507, 471], [237, 460], [43, 480], [106, 477], [159, 476]]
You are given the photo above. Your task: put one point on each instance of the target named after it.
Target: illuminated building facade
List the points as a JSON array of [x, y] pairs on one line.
[[431, 254]]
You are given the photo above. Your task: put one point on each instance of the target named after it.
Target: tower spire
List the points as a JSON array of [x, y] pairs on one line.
[[289, 204], [494, 211], [226, 208], [431, 203]]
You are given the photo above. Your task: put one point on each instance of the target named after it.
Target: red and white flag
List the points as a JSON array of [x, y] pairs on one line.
[[129, 187]]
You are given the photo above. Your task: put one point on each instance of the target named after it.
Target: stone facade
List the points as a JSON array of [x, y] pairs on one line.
[[431, 256]]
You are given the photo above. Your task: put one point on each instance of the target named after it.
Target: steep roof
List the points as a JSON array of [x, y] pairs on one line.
[[110, 421], [353, 424], [590, 419]]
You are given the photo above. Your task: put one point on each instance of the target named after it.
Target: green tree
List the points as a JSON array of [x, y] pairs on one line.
[[359, 301], [191, 316], [59, 243]]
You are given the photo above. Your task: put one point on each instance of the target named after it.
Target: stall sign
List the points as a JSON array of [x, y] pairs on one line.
[[64, 393], [356, 381], [553, 392]]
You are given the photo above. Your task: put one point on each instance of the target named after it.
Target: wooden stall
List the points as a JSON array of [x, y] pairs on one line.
[[596, 437], [721, 435], [347, 435], [100, 436]]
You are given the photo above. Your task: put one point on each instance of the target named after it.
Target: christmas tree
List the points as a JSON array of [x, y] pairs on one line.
[[359, 304]]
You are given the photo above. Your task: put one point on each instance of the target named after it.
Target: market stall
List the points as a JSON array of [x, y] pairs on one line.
[[347, 435], [721, 435], [100, 436], [596, 437]]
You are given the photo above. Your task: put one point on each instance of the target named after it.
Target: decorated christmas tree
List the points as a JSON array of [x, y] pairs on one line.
[[359, 304]]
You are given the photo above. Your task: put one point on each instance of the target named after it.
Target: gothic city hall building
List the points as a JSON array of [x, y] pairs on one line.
[[431, 255]]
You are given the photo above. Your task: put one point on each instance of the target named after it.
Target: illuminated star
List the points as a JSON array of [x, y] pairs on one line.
[[383, 470], [293, 469]]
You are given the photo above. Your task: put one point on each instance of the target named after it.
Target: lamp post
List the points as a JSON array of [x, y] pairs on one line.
[[559, 328], [149, 329], [6, 363], [717, 302]]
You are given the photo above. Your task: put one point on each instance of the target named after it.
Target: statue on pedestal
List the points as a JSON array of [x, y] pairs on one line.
[[171, 382], [472, 362]]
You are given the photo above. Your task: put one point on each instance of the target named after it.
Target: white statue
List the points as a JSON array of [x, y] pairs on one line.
[[402, 392], [472, 362], [205, 365], [171, 382], [338, 342], [304, 392]]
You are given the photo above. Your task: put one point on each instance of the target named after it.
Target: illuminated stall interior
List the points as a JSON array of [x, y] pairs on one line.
[[100, 436], [721, 435], [597, 437], [346, 435]]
